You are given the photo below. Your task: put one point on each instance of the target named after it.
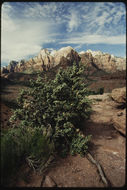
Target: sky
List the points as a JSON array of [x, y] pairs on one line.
[[27, 27]]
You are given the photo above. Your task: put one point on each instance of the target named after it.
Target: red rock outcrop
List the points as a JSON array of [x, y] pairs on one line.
[[103, 61], [94, 60], [45, 60]]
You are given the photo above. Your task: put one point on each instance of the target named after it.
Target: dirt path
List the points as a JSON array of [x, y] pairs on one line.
[[107, 147]]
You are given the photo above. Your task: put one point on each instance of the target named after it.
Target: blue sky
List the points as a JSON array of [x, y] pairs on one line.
[[27, 27]]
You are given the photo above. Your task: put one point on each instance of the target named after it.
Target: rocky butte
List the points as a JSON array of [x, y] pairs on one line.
[[103, 61], [64, 57]]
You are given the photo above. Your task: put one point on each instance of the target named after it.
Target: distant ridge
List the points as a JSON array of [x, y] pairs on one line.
[[64, 57]]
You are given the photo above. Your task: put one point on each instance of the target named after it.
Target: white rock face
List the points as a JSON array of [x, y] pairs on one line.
[[64, 51], [112, 56], [67, 48], [82, 52], [94, 53], [43, 53], [53, 53]]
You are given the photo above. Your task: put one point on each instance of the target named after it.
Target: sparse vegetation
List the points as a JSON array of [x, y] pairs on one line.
[[50, 112], [21, 143], [101, 90], [98, 91]]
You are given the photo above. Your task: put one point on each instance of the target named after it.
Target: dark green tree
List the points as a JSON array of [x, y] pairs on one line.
[[57, 106]]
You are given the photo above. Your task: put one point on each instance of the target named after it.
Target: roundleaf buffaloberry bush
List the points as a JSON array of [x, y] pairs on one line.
[[50, 112], [57, 106]]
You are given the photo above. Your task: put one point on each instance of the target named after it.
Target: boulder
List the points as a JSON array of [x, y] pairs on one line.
[[119, 95], [119, 121]]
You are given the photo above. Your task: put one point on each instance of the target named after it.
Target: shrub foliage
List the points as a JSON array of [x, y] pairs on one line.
[[50, 113], [57, 106], [22, 143]]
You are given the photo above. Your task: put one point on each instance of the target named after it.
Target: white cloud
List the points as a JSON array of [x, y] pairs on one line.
[[49, 11], [22, 37], [95, 39], [78, 47], [100, 14], [74, 21], [37, 10], [26, 27]]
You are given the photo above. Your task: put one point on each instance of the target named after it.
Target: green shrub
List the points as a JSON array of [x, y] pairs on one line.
[[79, 144], [12, 149], [19, 144], [40, 149], [57, 106], [101, 90]]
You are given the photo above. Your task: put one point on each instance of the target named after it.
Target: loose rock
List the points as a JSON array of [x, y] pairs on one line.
[[119, 121], [119, 95]]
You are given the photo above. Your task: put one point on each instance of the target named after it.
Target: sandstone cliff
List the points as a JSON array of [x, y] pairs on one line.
[[94, 60], [45, 60], [103, 61]]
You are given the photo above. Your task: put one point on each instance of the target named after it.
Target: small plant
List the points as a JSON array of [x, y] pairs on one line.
[[79, 145], [12, 148], [40, 149], [19, 144], [101, 90]]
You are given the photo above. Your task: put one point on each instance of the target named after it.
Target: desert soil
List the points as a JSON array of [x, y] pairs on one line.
[[107, 147]]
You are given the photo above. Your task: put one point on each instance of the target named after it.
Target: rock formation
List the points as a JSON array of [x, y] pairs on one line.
[[10, 67], [119, 121], [94, 60], [45, 60], [103, 61], [119, 95]]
